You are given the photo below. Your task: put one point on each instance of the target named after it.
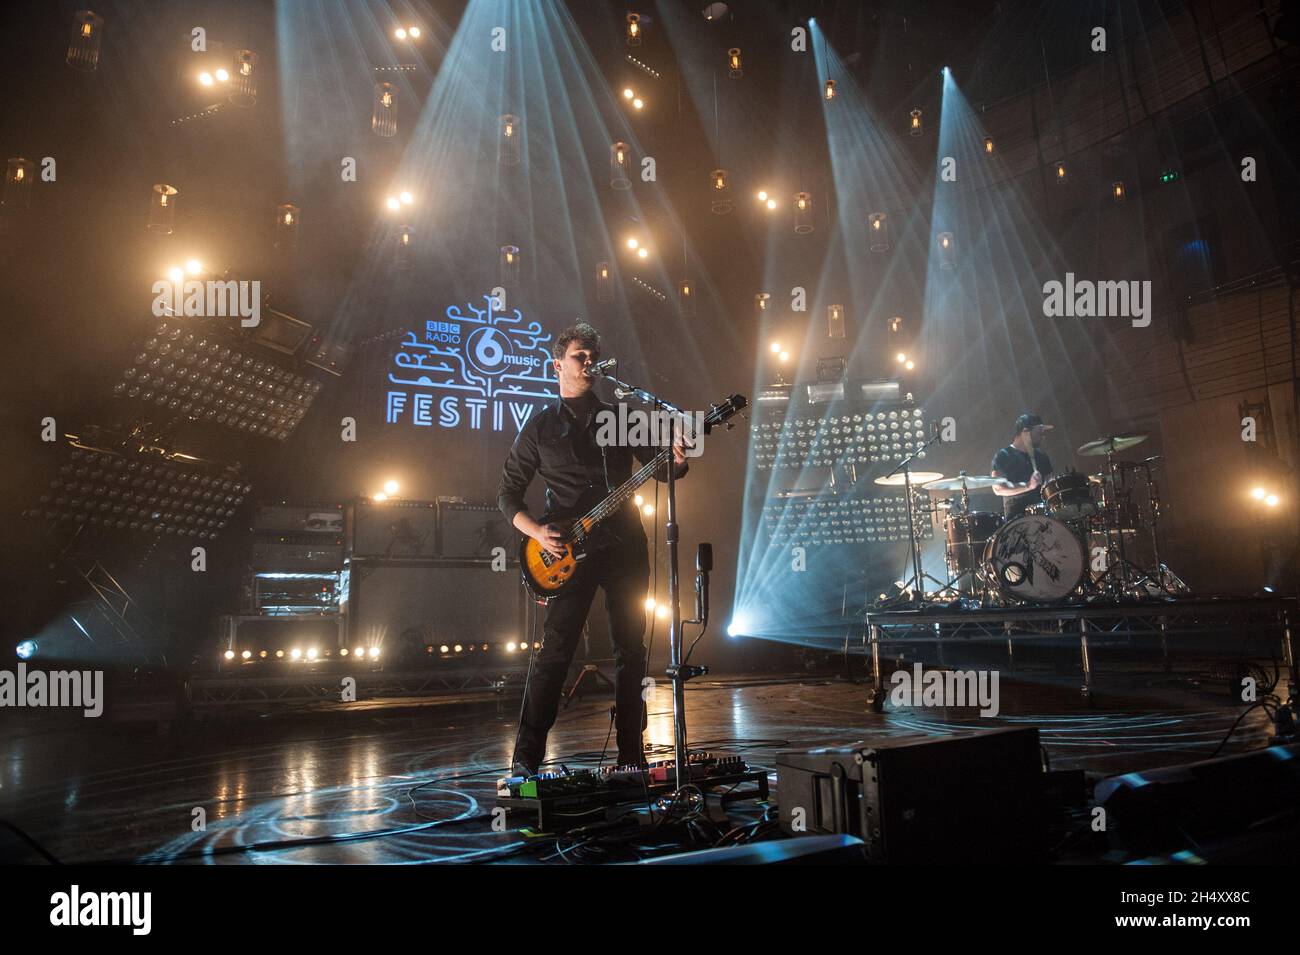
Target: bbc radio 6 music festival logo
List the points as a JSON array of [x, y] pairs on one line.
[[477, 367]]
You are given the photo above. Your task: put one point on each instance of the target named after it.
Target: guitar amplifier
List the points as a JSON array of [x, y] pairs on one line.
[[471, 531], [445, 601], [297, 551], [392, 529], [299, 518], [971, 797]]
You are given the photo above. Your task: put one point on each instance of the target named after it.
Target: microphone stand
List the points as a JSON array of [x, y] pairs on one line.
[[678, 671]]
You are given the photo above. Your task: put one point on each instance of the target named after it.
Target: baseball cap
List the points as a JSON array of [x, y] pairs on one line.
[[1029, 421]]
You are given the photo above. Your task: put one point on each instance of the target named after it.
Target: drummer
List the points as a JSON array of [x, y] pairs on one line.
[[1021, 480]]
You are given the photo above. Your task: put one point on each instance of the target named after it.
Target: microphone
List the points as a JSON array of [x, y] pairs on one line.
[[598, 369], [703, 565]]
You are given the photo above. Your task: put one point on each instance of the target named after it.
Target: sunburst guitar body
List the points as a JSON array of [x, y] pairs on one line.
[[545, 575]]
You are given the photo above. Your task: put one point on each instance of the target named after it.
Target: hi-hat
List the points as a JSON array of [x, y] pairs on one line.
[[971, 482], [918, 478], [1115, 442]]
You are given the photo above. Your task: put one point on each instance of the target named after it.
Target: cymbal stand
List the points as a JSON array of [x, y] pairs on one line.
[[916, 583]]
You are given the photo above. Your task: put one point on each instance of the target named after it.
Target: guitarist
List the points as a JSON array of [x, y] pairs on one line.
[[559, 443], [1021, 466]]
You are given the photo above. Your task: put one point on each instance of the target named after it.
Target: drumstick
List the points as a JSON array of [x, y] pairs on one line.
[[1033, 455]]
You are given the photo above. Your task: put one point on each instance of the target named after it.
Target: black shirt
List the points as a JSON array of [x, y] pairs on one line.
[[1014, 465], [561, 446]]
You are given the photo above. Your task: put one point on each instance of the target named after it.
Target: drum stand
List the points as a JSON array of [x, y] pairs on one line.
[[915, 585], [977, 592]]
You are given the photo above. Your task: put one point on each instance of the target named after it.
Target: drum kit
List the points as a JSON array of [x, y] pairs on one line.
[[1093, 535]]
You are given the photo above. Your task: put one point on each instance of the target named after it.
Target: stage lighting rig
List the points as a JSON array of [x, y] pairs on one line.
[[839, 438], [118, 483], [873, 520], [194, 369]]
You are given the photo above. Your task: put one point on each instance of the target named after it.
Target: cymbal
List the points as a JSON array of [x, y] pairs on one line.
[[1115, 442], [973, 482], [918, 478]]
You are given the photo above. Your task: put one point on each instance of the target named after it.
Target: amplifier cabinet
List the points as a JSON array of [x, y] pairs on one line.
[[404, 606], [972, 797], [392, 529], [326, 519], [469, 531], [296, 552]]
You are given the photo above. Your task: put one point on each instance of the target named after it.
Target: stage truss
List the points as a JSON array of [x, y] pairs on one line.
[[1165, 621]]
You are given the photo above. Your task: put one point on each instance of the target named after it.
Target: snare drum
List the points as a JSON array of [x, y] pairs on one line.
[[1033, 558], [1069, 497]]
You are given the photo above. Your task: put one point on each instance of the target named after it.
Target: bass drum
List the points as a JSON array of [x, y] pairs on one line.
[[1034, 559]]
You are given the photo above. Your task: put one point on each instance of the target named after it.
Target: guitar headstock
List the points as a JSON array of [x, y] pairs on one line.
[[723, 410]]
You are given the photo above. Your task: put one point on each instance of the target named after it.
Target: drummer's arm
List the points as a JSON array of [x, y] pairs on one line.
[[1007, 489]]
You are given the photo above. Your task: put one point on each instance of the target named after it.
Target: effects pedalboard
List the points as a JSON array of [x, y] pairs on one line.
[[567, 782], [574, 793]]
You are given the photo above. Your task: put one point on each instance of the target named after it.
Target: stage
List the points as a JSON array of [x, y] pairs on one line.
[[412, 781]]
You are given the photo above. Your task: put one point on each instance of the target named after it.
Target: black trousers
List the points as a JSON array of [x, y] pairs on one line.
[[623, 573]]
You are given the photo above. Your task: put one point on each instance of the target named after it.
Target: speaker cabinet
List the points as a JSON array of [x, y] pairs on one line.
[[973, 797], [473, 531], [392, 529], [400, 604]]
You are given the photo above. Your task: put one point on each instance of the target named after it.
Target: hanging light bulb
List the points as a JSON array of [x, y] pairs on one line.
[[761, 302], [620, 160], [720, 192], [383, 116], [402, 254], [1117, 191], [834, 321], [604, 282], [878, 231], [830, 90], [803, 223], [18, 183], [988, 145], [508, 144], [733, 63], [686, 298], [915, 127], [162, 209], [947, 259], [83, 45], [510, 266], [633, 29], [286, 226], [1062, 174], [243, 84]]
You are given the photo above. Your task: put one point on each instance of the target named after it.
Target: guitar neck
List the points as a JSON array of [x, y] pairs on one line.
[[620, 495]]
